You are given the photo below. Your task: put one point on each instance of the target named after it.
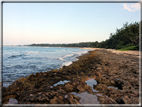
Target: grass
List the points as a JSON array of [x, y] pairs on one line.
[[128, 48]]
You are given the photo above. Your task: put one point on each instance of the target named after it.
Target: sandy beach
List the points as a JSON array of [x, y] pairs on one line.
[[135, 53]]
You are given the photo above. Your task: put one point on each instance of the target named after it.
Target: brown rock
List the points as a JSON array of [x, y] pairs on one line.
[[72, 100], [54, 100], [100, 86], [57, 100], [98, 74], [68, 87]]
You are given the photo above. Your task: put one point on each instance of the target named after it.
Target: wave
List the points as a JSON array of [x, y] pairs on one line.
[[68, 55], [13, 56], [31, 53], [67, 63], [61, 58], [75, 55], [20, 55]]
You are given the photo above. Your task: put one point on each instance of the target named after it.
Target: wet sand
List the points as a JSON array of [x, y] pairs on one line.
[[101, 76]]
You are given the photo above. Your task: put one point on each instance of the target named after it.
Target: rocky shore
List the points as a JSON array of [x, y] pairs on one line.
[[99, 77]]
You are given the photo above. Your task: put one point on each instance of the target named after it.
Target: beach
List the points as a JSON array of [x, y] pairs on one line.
[[102, 76]]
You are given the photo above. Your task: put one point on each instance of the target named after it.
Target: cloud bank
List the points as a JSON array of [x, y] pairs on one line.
[[132, 7]]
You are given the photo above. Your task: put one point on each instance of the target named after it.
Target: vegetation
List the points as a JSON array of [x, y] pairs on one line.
[[82, 44], [125, 38]]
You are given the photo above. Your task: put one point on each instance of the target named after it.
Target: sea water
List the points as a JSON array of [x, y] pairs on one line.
[[21, 61]]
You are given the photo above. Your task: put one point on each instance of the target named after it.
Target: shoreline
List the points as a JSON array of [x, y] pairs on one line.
[[129, 52], [120, 72]]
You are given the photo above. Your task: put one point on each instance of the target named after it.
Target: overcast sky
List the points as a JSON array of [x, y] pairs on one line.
[[27, 23]]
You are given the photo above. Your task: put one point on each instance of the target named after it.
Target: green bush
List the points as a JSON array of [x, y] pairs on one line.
[[119, 46], [128, 48]]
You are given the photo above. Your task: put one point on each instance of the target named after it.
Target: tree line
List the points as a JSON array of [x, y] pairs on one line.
[[125, 38], [81, 44]]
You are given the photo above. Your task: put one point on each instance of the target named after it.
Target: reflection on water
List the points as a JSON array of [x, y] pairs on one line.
[[12, 101], [61, 82], [87, 98], [91, 82], [112, 87]]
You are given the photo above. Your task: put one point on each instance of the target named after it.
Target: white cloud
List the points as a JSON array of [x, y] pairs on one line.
[[132, 7]]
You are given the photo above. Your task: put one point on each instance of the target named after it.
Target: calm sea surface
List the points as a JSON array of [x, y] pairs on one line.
[[21, 61]]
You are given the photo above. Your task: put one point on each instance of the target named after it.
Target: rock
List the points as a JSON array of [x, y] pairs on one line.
[[72, 100], [57, 100], [88, 88], [42, 99], [109, 101], [100, 86], [81, 89], [105, 81], [32, 99], [68, 87], [99, 68], [75, 97], [75, 84], [136, 93], [119, 100], [54, 100], [61, 97], [126, 99], [112, 82], [98, 74], [105, 100]]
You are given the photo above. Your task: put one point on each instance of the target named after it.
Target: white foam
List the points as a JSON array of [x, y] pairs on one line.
[[68, 55], [31, 53], [67, 63], [61, 58]]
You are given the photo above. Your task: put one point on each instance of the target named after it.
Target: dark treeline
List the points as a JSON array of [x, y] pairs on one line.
[[82, 44], [125, 38]]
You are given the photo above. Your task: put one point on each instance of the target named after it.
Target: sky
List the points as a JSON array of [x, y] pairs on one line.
[[28, 23]]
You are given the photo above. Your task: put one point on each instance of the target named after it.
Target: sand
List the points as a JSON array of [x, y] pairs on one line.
[[135, 53]]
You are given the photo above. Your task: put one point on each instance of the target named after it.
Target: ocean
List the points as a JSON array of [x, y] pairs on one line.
[[21, 61]]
